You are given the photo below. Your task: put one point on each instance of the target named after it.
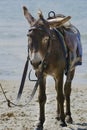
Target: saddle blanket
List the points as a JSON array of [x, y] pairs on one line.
[[71, 40]]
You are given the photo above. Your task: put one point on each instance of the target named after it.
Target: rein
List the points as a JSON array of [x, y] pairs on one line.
[[21, 85], [44, 66]]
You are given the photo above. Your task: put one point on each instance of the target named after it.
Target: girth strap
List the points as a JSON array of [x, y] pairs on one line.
[[61, 39]]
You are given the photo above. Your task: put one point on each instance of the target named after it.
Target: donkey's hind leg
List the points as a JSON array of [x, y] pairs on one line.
[[67, 92], [42, 100]]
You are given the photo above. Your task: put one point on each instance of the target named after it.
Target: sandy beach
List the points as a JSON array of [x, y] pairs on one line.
[[25, 118], [13, 54]]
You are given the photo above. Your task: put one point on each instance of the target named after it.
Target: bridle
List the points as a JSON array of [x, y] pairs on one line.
[[43, 67]]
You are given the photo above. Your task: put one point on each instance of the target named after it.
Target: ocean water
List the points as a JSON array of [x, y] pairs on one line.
[[14, 27]]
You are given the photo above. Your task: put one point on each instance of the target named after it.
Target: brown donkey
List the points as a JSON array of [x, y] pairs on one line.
[[45, 43]]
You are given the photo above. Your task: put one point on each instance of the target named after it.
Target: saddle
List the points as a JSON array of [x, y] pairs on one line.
[[71, 37]]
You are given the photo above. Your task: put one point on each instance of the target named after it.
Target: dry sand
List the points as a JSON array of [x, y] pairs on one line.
[[25, 118]]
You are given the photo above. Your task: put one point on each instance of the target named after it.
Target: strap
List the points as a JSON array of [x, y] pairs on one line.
[[23, 79], [61, 39]]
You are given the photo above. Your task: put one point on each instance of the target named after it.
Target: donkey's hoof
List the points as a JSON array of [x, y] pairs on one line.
[[69, 119], [39, 127], [63, 124]]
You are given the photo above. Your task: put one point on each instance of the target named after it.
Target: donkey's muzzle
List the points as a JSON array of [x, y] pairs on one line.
[[35, 64]]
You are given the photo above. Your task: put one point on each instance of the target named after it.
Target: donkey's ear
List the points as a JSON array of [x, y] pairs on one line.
[[28, 16], [40, 14]]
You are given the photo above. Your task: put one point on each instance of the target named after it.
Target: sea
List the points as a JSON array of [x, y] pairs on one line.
[[14, 28]]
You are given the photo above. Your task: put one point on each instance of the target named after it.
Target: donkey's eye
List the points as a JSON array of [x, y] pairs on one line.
[[30, 40], [30, 43], [45, 39]]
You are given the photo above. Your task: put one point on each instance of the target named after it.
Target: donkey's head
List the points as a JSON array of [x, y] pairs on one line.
[[39, 35]]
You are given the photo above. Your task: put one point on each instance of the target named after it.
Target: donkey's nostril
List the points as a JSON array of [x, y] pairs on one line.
[[35, 64], [39, 63]]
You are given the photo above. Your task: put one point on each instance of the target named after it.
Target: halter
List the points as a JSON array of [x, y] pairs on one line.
[[44, 62]]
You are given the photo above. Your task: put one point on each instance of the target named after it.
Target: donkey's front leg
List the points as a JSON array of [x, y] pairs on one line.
[[60, 100], [42, 100]]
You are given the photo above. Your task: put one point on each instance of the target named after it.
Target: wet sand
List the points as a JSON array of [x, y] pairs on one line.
[[25, 118]]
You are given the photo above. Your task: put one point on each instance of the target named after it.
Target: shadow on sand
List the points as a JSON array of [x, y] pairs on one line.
[[79, 126]]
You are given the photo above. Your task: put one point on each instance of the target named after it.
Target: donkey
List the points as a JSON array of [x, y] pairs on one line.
[[45, 44]]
